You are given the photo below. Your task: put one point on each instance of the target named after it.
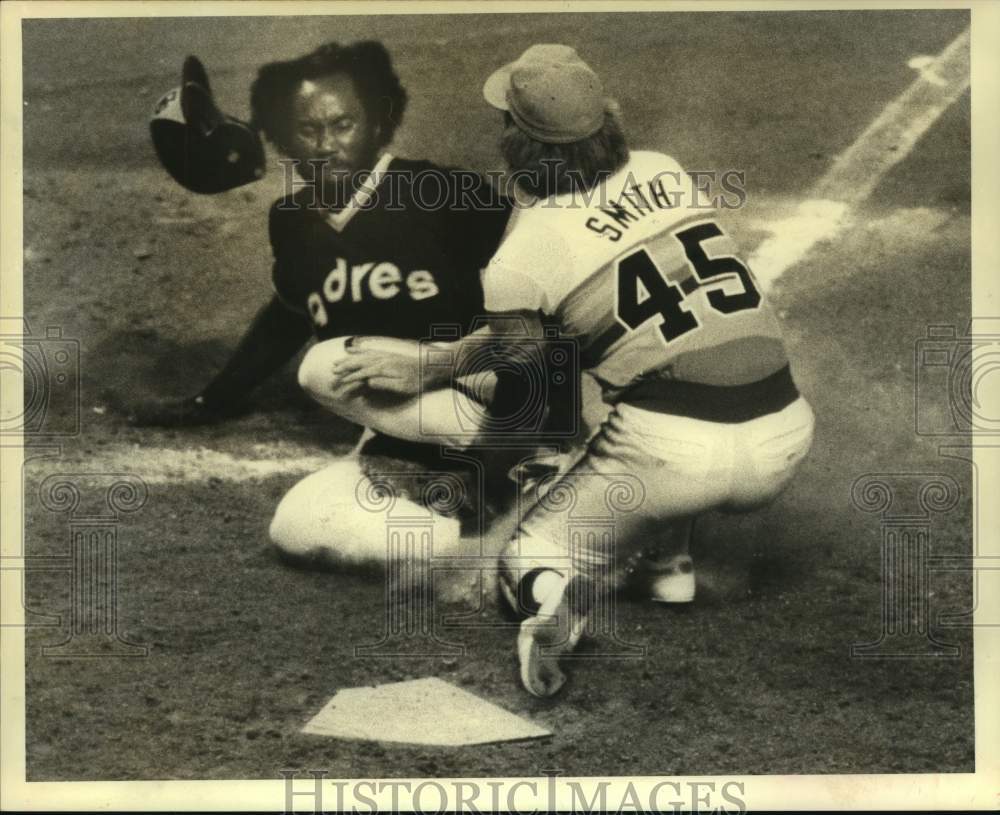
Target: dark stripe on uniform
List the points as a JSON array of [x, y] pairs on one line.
[[714, 403]]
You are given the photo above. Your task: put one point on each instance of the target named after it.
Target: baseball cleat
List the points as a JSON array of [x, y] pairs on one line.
[[554, 631], [672, 581]]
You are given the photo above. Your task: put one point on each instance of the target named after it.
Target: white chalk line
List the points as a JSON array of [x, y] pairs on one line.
[[828, 207], [165, 465]]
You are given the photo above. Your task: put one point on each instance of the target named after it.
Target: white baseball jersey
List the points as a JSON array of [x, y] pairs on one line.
[[644, 277]]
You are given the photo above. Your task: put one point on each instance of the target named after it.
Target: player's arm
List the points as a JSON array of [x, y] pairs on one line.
[[412, 373], [276, 334]]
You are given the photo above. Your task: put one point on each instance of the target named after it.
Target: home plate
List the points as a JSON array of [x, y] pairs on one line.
[[419, 711]]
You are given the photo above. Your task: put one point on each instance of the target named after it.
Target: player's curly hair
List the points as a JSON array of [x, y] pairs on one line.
[[367, 63], [553, 169]]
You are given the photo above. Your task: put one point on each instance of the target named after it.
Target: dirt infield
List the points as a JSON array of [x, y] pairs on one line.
[[156, 285]]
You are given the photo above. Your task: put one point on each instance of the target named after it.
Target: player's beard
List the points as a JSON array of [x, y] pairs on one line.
[[336, 185]]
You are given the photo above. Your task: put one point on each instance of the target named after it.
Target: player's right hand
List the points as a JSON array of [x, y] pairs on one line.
[[171, 413]]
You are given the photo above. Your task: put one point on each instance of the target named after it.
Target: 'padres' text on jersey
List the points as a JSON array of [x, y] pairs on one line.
[[649, 285], [392, 262]]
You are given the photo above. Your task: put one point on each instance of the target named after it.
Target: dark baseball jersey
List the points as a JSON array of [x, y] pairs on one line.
[[401, 258]]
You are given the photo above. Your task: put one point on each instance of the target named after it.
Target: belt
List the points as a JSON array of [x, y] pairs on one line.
[[714, 403]]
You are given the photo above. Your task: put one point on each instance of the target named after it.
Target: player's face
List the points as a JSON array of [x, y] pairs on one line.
[[331, 125]]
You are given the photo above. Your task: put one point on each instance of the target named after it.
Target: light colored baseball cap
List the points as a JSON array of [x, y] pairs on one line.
[[552, 94]]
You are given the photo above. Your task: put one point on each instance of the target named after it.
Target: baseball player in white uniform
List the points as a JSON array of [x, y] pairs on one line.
[[669, 321]]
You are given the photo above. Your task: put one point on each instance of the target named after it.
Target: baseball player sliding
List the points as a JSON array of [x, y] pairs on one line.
[[356, 252], [670, 322]]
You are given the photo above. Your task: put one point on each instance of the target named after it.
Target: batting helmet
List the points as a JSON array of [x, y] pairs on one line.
[[202, 148]]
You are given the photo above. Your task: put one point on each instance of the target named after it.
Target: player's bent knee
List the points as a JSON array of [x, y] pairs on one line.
[[283, 536], [316, 369], [310, 375], [329, 518], [286, 530], [313, 515]]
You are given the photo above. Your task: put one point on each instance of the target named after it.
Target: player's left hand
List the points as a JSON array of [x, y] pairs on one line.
[[380, 370]]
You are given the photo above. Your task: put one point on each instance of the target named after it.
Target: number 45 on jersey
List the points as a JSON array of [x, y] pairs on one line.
[[644, 293]]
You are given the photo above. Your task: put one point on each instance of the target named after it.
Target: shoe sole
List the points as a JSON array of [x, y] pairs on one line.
[[536, 634]]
